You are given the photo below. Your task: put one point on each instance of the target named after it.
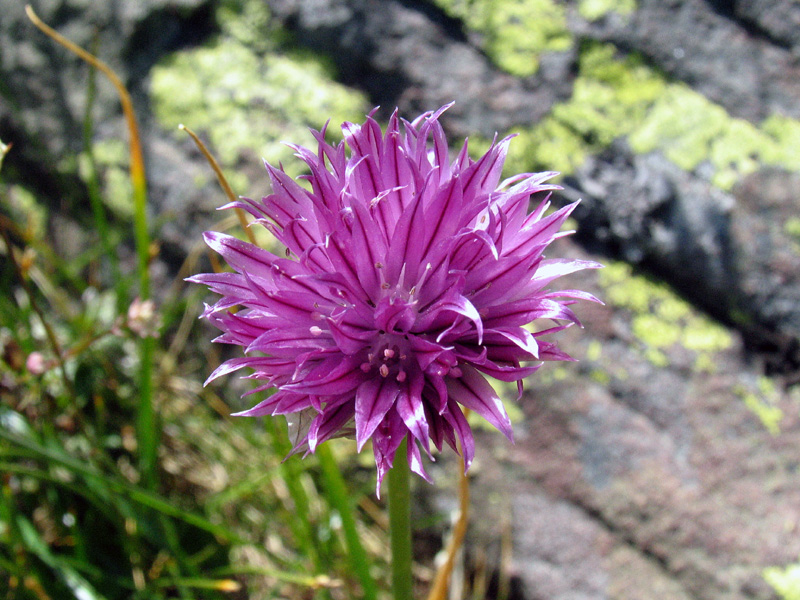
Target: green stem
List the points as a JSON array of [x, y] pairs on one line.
[[340, 500], [146, 423], [93, 182], [400, 525]]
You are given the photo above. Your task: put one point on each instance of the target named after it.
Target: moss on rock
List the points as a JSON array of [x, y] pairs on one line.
[[248, 95], [594, 10], [662, 320], [610, 97], [514, 32], [623, 97], [785, 581]]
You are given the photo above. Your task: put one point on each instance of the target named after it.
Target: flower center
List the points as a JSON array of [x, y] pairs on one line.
[[389, 355]]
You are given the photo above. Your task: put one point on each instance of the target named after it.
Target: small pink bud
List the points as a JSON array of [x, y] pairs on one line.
[[143, 319], [35, 363]]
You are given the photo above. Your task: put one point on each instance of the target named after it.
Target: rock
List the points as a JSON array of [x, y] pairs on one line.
[[45, 86], [704, 42], [776, 20], [733, 255], [765, 230], [635, 479], [411, 55]]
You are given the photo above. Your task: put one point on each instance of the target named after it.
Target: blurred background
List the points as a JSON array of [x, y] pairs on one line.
[[665, 464]]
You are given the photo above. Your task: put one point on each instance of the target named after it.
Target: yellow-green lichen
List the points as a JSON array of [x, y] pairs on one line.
[[683, 125], [615, 97], [792, 227], [600, 377], [762, 402], [784, 580], [248, 23], [594, 351], [514, 32], [785, 134], [610, 97], [655, 331], [660, 319], [690, 129], [246, 95], [593, 10], [249, 103]]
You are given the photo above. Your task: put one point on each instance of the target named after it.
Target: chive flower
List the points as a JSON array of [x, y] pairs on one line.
[[408, 279]]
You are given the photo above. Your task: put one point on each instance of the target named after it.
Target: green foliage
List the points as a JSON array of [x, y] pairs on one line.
[[76, 519], [514, 33]]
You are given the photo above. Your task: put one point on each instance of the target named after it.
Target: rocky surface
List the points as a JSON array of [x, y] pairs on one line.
[[44, 87], [413, 56], [631, 482], [665, 464], [739, 54], [731, 254]]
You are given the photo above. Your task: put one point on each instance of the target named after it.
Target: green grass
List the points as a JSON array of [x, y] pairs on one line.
[[78, 518]]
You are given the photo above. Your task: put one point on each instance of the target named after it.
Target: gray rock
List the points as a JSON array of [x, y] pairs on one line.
[[659, 483], [44, 87], [730, 254], [410, 55], [716, 50], [778, 20]]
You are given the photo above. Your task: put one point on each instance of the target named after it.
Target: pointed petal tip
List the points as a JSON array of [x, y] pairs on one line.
[[244, 413]]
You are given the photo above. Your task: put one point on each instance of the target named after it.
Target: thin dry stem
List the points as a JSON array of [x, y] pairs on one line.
[[222, 180], [137, 160], [442, 581]]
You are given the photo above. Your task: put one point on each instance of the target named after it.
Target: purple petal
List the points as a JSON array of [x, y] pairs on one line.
[[334, 376], [368, 251], [385, 442], [472, 391], [291, 403], [265, 407], [414, 458], [238, 254], [459, 425], [234, 364], [551, 269], [328, 424], [411, 408], [404, 252], [349, 337], [374, 398]]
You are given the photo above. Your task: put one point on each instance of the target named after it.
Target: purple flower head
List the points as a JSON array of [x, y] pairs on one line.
[[408, 279]]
